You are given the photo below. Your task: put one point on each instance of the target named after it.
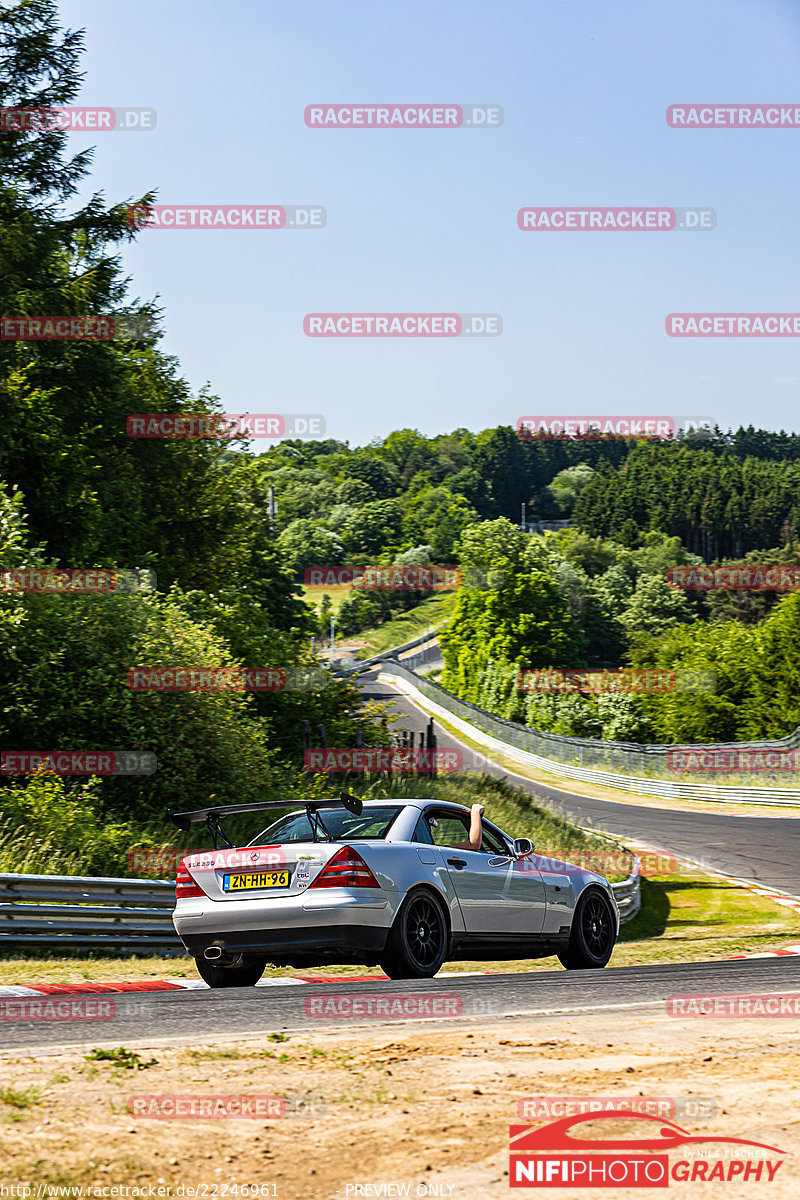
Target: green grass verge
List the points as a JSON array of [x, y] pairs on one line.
[[432, 613], [313, 593], [703, 918]]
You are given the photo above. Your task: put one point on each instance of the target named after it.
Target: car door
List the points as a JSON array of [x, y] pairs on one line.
[[497, 893]]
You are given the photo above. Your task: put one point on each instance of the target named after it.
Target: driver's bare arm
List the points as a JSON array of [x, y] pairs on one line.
[[475, 830]]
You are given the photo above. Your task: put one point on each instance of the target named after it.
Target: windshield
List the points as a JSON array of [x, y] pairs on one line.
[[373, 823]]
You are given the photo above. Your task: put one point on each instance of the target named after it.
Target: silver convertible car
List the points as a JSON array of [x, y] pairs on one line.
[[380, 883]]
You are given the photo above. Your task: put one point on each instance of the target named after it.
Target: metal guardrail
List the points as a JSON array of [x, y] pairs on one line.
[[365, 663], [72, 911], [556, 753], [628, 893], [127, 915], [423, 660]]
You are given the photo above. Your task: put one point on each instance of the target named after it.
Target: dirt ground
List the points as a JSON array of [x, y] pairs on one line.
[[424, 1107]]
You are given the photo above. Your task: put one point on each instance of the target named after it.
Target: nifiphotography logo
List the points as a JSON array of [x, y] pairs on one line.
[[557, 1155]]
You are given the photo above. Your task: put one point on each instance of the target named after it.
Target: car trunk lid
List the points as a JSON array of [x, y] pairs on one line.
[[259, 872]]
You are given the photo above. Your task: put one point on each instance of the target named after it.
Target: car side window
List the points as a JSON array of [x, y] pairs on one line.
[[492, 843], [449, 829], [422, 832]]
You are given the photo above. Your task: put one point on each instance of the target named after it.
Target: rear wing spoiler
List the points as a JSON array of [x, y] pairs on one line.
[[212, 816]]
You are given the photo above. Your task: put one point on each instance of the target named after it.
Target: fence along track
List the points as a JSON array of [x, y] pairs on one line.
[[556, 753]]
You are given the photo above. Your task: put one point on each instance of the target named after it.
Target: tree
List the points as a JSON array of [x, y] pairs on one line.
[[415, 556], [304, 544], [524, 621], [381, 477], [594, 555], [93, 493], [398, 447], [570, 715], [372, 528], [655, 607], [439, 517], [500, 460], [719, 500], [474, 488], [483, 545], [191, 508], [355, 492], [725, 654], [65, 687], [772, 710], [561, 496]]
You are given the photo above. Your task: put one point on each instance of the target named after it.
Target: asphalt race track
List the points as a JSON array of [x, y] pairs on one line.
[[765, 849], [231, 1014]]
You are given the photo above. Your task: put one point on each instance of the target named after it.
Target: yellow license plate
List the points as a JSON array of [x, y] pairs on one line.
[[254, 882]]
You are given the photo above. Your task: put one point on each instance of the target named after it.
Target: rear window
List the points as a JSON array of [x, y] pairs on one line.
[[373, 824]]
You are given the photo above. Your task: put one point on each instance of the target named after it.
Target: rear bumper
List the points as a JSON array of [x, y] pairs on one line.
[[325, 942], [337, 924]]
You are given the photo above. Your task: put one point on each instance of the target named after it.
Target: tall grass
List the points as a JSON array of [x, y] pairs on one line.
[[513, 809], [51, 828]]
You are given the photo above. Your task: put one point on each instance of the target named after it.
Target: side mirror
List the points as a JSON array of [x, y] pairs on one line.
[[523, 846]]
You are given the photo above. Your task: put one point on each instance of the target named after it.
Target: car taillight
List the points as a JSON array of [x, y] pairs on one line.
[[185, 885], [346, 869]]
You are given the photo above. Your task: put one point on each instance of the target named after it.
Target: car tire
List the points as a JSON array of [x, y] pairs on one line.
[[418, 940], [245, 972], [593, 934]]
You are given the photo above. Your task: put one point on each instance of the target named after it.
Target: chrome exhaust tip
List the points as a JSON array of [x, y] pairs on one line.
[[213, 953]]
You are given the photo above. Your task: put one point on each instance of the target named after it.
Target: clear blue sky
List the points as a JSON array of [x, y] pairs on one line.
[[425, 221]]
